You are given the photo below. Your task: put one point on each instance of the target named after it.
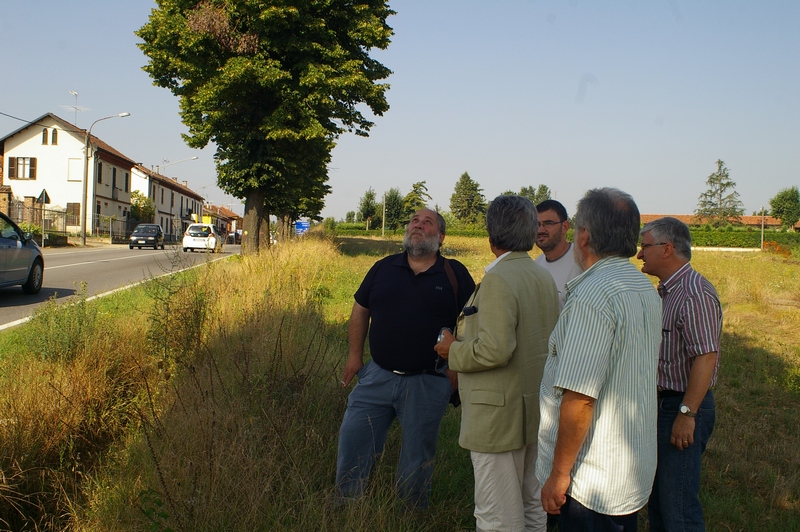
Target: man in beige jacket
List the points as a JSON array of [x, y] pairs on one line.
[[499, 353]]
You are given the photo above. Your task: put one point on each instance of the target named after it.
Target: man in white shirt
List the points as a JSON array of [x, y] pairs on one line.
[[557, 256], [597, 432]]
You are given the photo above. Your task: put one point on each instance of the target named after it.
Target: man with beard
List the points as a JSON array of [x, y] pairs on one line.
[[597, 434], [557, 256], [404, 301]]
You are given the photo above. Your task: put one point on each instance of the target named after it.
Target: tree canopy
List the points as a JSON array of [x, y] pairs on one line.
[[142, 207], [415, 200], [393, 201], [467, 202], [368, 209], [786, 206], [720, 203], [272, 84], [536, 195]]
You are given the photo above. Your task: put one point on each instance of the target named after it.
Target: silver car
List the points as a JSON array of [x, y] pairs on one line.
[[21, 261]]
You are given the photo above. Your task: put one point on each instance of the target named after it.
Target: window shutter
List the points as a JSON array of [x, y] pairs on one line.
[[33, 168], [12, 167]]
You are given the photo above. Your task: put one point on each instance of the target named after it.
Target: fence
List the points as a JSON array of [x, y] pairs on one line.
[[52, 227]]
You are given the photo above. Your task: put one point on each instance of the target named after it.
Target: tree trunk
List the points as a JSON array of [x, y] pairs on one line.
[[255, 232], [284, 228]]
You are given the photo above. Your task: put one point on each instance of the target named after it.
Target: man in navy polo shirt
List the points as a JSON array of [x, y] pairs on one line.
[[404, 301]]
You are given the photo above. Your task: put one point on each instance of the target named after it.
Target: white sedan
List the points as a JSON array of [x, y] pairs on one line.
[[202, 236]]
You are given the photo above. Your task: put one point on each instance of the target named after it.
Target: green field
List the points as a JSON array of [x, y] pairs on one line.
[[209, 401]]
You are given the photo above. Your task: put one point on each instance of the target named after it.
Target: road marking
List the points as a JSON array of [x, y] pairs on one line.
[[93, 262]]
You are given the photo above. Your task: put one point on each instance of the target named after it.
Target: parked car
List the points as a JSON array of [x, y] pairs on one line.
[[147, 235], [21, 261], [202, 236]]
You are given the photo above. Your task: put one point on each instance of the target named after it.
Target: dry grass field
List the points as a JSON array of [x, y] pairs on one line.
[[209, 401]]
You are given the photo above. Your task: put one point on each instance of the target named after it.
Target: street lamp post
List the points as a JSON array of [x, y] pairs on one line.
[[167, 163], [86, 172]]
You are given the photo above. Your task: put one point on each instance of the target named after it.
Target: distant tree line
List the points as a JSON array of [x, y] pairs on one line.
[[719, 206]]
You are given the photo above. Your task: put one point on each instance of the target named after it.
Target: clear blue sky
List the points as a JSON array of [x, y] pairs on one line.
[[640, 95]]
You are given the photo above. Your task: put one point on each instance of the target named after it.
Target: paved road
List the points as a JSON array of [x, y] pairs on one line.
[[102, 267]]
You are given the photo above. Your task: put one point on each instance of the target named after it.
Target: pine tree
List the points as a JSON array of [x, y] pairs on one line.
[[720, 203], [467, 202]]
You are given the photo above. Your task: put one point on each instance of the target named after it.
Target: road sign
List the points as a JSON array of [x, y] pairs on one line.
[[301, 228], [43, 198]]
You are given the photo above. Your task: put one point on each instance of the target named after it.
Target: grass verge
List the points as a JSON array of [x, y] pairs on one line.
[[210, 401]]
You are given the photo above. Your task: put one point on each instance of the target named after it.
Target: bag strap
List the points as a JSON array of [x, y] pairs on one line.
[[451, 275]]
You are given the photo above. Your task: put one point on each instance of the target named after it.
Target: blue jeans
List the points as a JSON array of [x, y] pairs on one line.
[[418, 402], [674, 503], [576, 517]]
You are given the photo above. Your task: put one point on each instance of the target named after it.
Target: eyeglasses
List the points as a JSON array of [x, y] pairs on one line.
[[550, 223], [645, 246]]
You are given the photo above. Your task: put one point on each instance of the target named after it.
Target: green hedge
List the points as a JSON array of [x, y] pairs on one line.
[[741, 239], [701, 237]]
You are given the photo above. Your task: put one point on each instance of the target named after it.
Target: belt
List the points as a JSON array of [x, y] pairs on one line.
[[669, 393], [419, 372]]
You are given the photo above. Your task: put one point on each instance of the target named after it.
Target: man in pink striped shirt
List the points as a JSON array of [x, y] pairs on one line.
[[687, 370]]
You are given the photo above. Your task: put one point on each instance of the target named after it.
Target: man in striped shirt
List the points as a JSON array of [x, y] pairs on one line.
[[597, 434], [687, 369]]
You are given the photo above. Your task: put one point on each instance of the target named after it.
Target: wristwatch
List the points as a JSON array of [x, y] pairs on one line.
[[686, 411]]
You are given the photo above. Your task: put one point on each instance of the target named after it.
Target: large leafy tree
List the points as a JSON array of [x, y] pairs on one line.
[[272, 83], [393, 202], [786, 206], [720, 203], [467, 202], [416, 199]]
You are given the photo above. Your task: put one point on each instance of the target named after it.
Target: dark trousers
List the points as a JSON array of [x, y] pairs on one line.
[[575, 517]]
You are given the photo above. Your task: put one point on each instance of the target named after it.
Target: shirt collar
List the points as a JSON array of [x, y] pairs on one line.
[[495, 261], [601, 264], [675, 278], [402, 261]]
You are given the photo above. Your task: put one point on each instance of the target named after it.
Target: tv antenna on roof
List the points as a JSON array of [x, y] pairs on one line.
[[75, 107]]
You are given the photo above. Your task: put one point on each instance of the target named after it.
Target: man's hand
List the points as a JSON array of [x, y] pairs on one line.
[[554, 493], [443, 347], [351, 367], [453, 376], [682, 432], [356, 334]]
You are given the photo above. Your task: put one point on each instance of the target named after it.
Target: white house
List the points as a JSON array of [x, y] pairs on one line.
[[48, 154]]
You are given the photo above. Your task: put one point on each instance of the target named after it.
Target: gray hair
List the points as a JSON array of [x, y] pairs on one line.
[[442, 224], [512, 223], [674, 231], [611, 218]]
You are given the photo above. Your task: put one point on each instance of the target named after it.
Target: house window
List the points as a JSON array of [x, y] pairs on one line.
[[171, 200], [162, 196], [54, 137], [22, 167], [113, 178], [127, 181], [44, 136], [99, 172], [154, 192], [73, 213]]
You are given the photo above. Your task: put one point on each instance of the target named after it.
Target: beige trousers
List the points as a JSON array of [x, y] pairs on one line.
[[507, 494]]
